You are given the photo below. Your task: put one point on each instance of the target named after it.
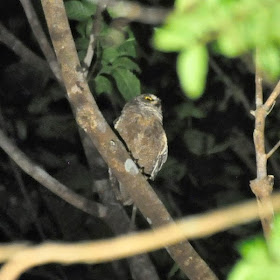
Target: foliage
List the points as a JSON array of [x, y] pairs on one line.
[[231, 28], [116, 51], [260, 261]]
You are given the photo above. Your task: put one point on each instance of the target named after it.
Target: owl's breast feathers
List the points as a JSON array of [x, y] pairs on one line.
[[144, 137]]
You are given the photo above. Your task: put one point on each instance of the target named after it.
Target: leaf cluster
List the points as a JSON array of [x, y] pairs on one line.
[[231, 28], [259, 260], [114, 63]]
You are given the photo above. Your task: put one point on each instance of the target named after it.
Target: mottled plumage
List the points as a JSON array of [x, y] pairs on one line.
[[140, 127]]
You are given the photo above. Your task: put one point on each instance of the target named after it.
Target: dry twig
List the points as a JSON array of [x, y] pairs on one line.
[[262, 186], [41, 38], [22, 257]]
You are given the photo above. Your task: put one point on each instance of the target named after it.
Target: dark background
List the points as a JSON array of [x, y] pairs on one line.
[[211, 152]]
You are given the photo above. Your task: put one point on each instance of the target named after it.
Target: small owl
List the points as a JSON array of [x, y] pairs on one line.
[[140, 127]]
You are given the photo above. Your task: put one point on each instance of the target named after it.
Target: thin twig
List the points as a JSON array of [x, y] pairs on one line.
[[41, 38], [93, 38], [26, 55], [23, 189], [237, 92], [273, 96], [270, 153], [40, 175]]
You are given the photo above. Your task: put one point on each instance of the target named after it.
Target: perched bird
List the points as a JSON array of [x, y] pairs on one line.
[[140, 127]]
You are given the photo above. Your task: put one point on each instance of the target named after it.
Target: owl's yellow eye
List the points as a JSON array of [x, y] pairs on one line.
[[149, 98]]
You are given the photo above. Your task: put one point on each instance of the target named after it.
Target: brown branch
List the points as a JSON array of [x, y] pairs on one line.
[[272, 98], [41, 38], [116, 218], [40, 175], [26, 55], [262, 186], [109, 146], [22, 258]]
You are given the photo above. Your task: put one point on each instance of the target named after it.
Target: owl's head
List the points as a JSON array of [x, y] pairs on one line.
[[148, 100], [148, 104]]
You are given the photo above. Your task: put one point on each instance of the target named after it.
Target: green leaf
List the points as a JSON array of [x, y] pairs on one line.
[[254, 250], [103, 85], [126, 63], [248, 271], [128, 84], [166, 40], [109, 55], [183, 5], [81, 28], [128, 48], [79, 11], [258, 262], [274, 241], [82, 43], [192, 67], [269, 61], [234, 42]]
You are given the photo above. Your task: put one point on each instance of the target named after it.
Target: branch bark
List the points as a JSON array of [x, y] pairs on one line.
[[110, 147], [41, 38], [262, 186], [22, 257]]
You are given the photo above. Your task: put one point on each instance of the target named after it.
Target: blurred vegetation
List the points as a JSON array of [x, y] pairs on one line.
[[211, 153], [260, 260]]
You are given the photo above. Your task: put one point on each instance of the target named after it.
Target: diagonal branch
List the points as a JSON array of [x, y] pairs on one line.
[[273, 96], [40, 175], [26, 55], [109, 146], [41, 38]]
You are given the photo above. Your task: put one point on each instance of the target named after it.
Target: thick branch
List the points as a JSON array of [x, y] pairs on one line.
[[110, 147]]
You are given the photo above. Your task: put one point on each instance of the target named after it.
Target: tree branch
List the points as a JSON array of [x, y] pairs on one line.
[[40, 175], [109, 146], [22, 257], [41, 38], [135, 11], [262, 186], [26, 55]]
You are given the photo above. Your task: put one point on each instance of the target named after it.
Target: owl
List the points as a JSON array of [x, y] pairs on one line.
[[140, 127]]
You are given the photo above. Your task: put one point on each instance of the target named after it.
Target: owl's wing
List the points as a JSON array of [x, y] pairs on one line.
[[161, 159]]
